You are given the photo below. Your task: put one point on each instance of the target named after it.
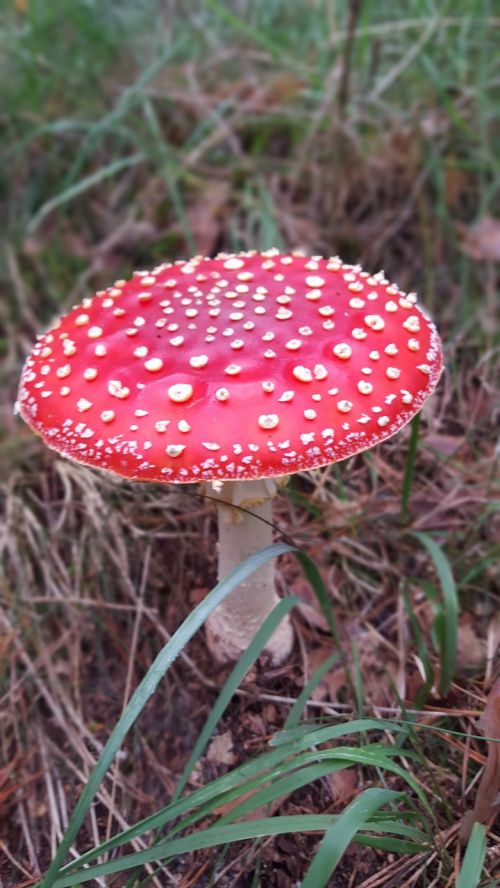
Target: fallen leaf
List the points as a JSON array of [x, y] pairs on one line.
[[471, 650], [342, 785], [221, 750], [487, 803], [482, 240]]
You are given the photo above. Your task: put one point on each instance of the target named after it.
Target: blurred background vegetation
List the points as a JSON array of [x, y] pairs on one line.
[[139, 131]]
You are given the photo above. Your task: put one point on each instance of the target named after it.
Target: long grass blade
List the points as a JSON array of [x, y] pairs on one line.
[[472, 865], [147, 687], [446, 622], [339, 835]]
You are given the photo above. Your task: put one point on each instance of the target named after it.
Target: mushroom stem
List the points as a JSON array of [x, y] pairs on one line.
[[232, 626]]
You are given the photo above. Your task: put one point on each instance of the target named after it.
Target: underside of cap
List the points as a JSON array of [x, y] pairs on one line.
[[243, 366]]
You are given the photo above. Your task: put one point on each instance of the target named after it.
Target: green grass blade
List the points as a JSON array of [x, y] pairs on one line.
[[217, 835], [314, 577], [472, 864], [311, 735], [338, 837], [247, 659], [111, 169], [247, 778], [410, 467], [298, 707], [446, 625], [147, 687]]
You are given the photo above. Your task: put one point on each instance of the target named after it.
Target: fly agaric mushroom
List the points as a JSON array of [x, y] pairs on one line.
[[236, 370]]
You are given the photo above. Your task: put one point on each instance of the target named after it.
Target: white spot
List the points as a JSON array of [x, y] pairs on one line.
[[310, 414], [198, 361], [344, 406], [81, 320], [154, 365], [283, 314], [233, 264], [320, 371], [222, 394], [391, 349], [176, 341], [83, 405], [374, 355], [210, 445], [293, 344], [356, 302], [314, 281], [268, 420], [413, 345], [175, 450], [393, 373], [364, 387], [391, 306], [406, 396], [375, 322], [303, 374], [94, 332], [307, 438], [342, 350], [412, 324], [180, 392], [232, 369], [183, 426], [141, 351], [90, 373], [63, 371], [268, 386], [117, 390], [161, 425], [359, 333], [424, 368], [382, 421], [286, 396], [237, 344]]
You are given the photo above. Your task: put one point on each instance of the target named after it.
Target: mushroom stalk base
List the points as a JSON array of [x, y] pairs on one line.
[[234, 623]]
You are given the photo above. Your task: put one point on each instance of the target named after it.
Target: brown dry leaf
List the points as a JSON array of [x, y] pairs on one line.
[[471, 650], [342, 785], [262, 811], [482, 240], [487, 803], [221, 751]]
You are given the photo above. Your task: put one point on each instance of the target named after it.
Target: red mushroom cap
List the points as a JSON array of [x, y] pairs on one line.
[[242, 366]]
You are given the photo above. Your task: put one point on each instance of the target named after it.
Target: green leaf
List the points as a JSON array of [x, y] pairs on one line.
[[446, 622], [298, 707], [245, 662], [218, 835], [338, 836], [472, 864], [147, 687]]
